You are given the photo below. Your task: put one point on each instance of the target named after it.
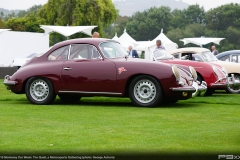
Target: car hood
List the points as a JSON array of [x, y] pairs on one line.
[[229, 66]]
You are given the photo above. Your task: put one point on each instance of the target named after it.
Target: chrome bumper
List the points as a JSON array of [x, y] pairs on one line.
[[200, 89], [232, 82], [7, 82]]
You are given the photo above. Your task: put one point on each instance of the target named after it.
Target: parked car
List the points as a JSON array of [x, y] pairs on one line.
[[229, 56], [205, 55], [99, 67], [210, 73], [18, 62]]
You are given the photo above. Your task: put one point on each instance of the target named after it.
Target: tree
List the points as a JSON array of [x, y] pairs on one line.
[[79, 12], [28, 23], [222, 17], [31, 10], [194, 14], [178, 19], [146, 25]]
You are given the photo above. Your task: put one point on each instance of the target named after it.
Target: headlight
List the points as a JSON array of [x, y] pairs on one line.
[[193, 72], [176, 73], [225, 71], [215, 71]]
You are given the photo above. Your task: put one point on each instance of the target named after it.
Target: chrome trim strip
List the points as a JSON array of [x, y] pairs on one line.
[[216, 85], [220, 79], [83, 92], [184, 89]]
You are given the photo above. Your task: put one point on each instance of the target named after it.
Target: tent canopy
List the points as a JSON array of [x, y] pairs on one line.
[[166, 42], [68, 30], [125, 37], [201, 41], [3, 30]]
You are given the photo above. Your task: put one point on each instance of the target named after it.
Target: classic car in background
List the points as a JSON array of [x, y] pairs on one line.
[[205, 55], [99, 67], [229, 56], [18, 62], [214, 75]]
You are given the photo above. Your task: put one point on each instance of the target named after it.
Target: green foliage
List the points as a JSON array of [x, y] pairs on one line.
[[28, 23], [3, 24], [222, 17], [31, 10], [146, 25], [102, 125]]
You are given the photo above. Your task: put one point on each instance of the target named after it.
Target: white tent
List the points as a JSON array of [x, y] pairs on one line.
[[201, 41], [68, 30], [115, 37], [166, 42], [125, 40], [149, 46], [4, 30], [125, 37]]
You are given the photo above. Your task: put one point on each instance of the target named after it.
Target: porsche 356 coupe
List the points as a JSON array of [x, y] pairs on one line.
[[99, 67]]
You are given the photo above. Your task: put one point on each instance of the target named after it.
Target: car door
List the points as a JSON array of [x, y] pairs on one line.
[[86, 71]]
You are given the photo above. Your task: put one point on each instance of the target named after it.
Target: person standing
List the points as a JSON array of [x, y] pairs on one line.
[[132, 53], [214, 50], [95, 35], [159, 45]]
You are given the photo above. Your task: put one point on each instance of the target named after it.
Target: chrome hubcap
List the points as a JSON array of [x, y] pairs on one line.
[[235, 89], [145, 91], [39, 90]]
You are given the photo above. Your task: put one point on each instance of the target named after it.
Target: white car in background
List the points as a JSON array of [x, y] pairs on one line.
[[18, 62]]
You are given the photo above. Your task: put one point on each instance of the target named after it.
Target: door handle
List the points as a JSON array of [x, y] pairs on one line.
[[67, 69]]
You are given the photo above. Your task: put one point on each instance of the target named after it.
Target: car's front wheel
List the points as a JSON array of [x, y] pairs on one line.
[[40, 91], [145, 91], [234, 90]]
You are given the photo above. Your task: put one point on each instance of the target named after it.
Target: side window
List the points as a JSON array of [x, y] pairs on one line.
[[176, 55], [225, 58], [197, 57], [83, 51], [59, 54], [234, 58]]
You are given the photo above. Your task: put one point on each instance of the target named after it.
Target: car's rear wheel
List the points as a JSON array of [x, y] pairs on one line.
[[145, 91], [234, 89], [40, 91], [69, 97]]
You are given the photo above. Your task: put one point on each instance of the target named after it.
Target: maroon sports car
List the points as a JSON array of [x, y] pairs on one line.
[[99, 67]]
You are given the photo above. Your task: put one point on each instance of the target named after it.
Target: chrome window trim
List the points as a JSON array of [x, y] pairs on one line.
[[84, 44]]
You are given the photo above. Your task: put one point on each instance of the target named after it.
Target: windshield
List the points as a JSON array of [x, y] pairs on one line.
[[112, 50], [162, 54], [209, 57]]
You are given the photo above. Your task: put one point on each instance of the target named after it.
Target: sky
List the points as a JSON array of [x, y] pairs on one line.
[[25, 4]]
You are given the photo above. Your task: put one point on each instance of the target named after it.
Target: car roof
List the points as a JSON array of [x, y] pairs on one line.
[[189, 49], [94, 41], [222, 54]]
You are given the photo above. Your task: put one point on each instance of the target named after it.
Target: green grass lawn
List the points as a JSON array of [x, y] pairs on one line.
[[114, 125]]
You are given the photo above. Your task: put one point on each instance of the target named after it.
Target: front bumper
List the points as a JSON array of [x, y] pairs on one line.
[[230, 81], [195, 89], [7, 82]]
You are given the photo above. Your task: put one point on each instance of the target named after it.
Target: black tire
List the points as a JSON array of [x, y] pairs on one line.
[[234, 90], [40, 91], [150, 87], [209, 92], [69, 97]]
